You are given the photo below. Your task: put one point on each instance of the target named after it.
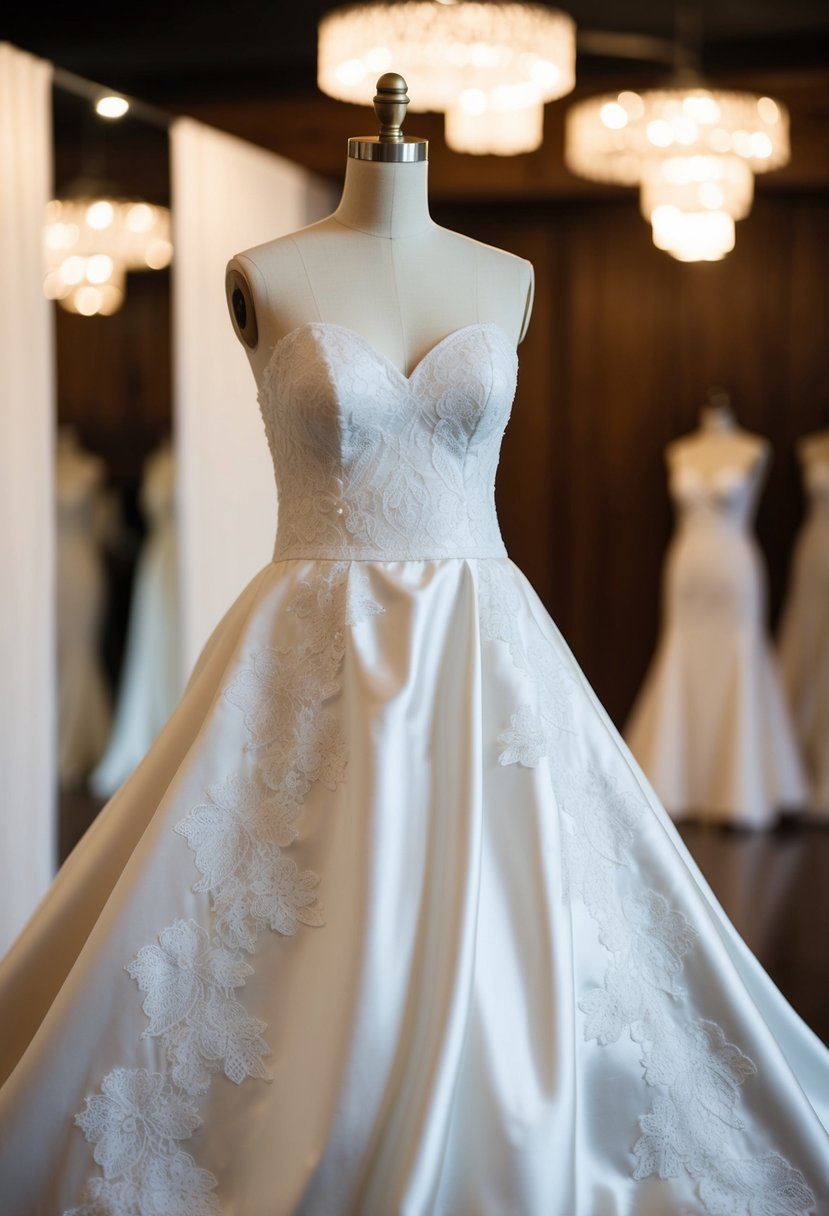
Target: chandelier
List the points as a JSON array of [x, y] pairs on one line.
[[693, 152], [92, 239], [488, 66]]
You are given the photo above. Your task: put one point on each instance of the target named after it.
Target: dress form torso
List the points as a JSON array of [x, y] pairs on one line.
[[381, 267], [719, 445]]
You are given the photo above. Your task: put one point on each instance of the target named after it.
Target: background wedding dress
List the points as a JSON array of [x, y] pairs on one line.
[[83, 698], [804, 638], [150, 683], [388, 921], [711, 727]]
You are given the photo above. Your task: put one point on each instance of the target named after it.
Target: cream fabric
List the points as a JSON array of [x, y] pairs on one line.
[[227, 195], [388, 921], [150, 684], [711, 727], [27, 613], [804, 638]]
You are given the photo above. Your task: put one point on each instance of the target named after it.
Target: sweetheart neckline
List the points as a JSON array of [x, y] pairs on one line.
[[378, 354]]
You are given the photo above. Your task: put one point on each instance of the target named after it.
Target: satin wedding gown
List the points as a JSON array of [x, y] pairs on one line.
[[150, 683], [388, 921], [711, 727], [804, 638]]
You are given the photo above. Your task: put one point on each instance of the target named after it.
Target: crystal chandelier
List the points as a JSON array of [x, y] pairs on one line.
[[488, 66], [91, 240], [693, 152]]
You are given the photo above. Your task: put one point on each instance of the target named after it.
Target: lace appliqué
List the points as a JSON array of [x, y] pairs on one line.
[[533, 731], [189, 983], [135, 1123], [697, 1071], [372, 464], [239, 837]]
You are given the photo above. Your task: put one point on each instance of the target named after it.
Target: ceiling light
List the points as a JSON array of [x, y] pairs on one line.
[[489, 66]]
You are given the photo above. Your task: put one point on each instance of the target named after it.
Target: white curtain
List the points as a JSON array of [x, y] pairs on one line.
[[227, 196], [27, 676]]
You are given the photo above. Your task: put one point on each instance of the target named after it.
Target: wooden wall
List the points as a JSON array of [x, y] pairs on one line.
[[623, 344]]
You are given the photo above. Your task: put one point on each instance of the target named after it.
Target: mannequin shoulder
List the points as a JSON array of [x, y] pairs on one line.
[[707, 451], [260, 281], [814, 449], [506, 285]]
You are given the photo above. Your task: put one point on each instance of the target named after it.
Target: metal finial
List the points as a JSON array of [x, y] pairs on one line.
[[390, 104]]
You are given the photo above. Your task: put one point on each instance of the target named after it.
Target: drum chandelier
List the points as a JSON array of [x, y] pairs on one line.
[[693, 152], [91, 240], [489, 66]]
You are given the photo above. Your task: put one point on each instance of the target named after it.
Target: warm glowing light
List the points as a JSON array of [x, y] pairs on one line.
[[693, 236], [516, 56], [90, 244], [693, 153], [140, 217], [73, 269], [698, 183], [99, 268], [159, 254], [614, 115], [495, 131], [112, 106], [100, 214]]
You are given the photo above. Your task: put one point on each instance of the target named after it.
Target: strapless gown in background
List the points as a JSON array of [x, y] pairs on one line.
[[711, 727], [804, 639], [80, 581], [151, 679], [388, 921]]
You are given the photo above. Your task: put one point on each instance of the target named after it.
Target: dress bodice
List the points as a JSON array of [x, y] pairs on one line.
[[726, 496], [372, 464]]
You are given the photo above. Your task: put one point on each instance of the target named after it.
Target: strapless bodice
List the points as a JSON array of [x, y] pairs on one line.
[[372, 464], [725, 496]]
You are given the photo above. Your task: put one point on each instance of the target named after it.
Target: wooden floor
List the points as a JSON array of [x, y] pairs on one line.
[[773, 885]]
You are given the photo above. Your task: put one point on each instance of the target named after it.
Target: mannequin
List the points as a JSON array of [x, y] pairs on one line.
[[804, 625], [710, 726], [814, 449], [719, 443], [83, 702], [378, 265], [388, 845]]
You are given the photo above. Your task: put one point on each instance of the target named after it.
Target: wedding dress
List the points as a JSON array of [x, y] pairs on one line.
[[150, 683], [804, 638], [388, 921], [80, 585], [711, 727]]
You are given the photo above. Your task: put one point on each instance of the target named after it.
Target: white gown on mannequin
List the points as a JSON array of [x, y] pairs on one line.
[[804, 638], [388, 921], [151, 682], [710, 726], [83, 699]]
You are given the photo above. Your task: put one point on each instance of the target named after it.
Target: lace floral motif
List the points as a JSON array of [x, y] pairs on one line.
[[373, 464], [134, 1124], [697, 1072], [239, 836], [532, 732], [189, 982]]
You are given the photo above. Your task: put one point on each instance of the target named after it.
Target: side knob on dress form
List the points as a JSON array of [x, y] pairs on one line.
[[390, 102]]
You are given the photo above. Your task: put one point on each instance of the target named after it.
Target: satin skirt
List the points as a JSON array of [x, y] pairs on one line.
[[388, 921], [711, 726]]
